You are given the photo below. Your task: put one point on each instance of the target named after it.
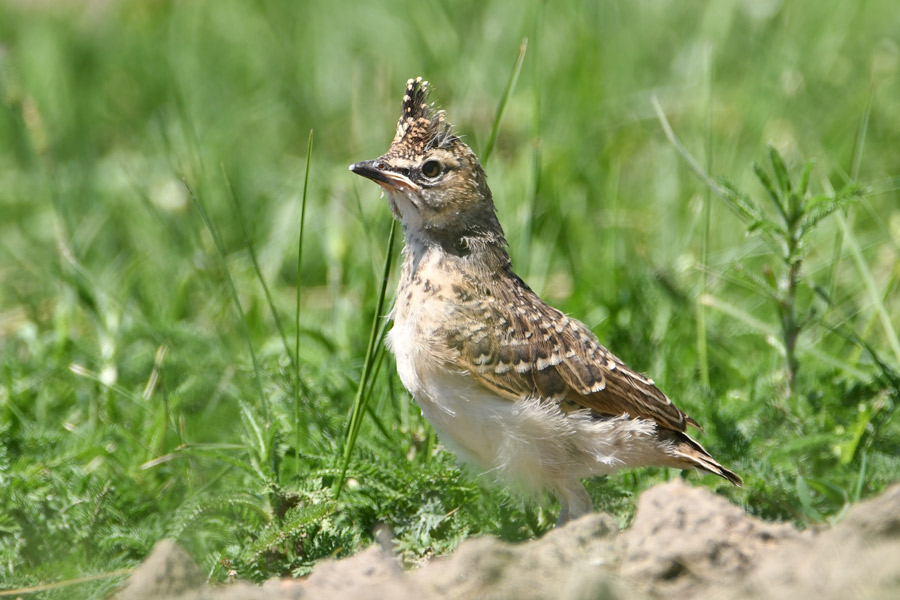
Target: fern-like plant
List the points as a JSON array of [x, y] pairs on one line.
[[797, 213]]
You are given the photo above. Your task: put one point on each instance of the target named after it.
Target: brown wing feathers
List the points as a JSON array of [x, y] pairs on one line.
[[535, 350]]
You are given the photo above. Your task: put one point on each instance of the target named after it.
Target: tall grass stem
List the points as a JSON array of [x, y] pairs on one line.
[[501, 107], [359, 402], [256, 268], [702, 357], [220, 249], [297, 378]]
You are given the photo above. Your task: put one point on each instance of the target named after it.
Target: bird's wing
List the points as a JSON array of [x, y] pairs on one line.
[[517, 346]]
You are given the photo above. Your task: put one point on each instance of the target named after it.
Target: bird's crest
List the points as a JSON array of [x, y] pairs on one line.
[[421, 126]]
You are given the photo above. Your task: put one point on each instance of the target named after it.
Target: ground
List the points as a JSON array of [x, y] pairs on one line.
[[685, 542]]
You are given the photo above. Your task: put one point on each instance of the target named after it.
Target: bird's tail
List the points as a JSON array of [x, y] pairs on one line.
[[687, 453]]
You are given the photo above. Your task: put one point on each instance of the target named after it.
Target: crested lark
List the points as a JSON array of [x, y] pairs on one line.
[[508, 382]]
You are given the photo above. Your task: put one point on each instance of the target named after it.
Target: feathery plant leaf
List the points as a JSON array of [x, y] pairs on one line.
[[820, 207], [804, 178], [774, 194], [780, 171], [256, 442], [305, 535]]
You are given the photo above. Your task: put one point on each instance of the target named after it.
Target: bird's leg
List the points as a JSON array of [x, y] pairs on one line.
[[563, 515], [575, 503]]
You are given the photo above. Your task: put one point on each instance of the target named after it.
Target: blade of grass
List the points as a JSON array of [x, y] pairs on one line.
[[854, 173], [844, 329], [769, 331], [733, 197], [614, 229], [361, 399], [736, 200], [256, 267], [689, 159], [861, 480], [297, 378], [377, 360], [857, 432], [188, 452], [510, 86], [861, 136], [702, 357], [529, 221], [220, 249], [866, 330], [871, 288], [61, 584]]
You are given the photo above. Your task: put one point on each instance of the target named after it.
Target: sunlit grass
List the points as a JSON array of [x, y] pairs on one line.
[[152, 385]]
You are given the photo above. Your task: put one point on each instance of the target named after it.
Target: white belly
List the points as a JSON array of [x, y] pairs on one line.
[[527, 441], [460, 412]]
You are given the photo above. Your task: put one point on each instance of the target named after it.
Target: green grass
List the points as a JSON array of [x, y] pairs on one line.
[[153, 170]]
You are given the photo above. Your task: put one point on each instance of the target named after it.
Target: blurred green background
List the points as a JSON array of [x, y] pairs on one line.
[[131, 408]]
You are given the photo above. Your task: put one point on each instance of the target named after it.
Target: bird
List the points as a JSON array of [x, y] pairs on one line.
[[512, 385]]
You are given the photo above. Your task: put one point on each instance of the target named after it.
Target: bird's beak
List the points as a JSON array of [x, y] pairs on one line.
[[378, 171]]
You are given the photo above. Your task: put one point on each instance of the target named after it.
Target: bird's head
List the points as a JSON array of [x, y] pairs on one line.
[[432, 179]]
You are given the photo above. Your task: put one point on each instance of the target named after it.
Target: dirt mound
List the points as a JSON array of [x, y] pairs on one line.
[[685, 541]]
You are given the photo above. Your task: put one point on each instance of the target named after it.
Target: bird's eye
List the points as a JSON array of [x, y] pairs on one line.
[[431, 169]]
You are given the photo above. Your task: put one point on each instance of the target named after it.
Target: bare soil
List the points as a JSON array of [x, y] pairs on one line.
[[685, 542]]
